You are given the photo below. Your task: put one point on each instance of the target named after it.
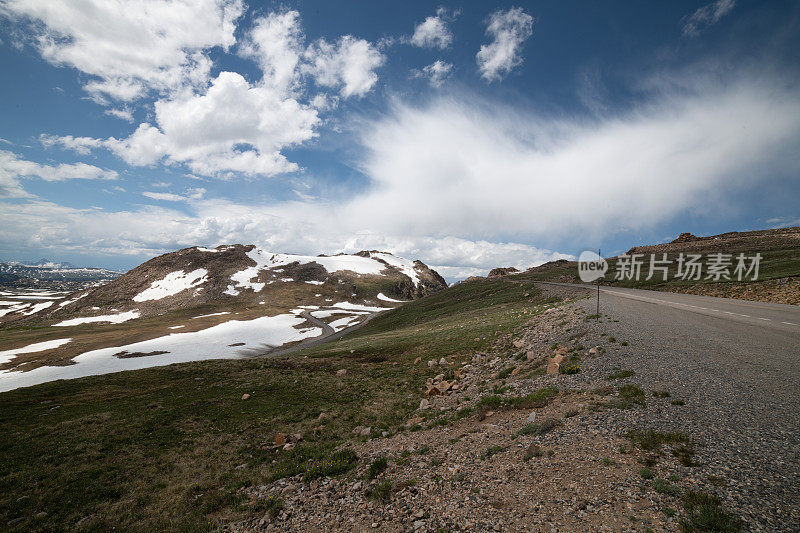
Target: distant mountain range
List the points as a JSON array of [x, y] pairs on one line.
[[50, 274]]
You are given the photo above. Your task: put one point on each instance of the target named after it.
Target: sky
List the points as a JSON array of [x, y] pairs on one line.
[[468, 135]]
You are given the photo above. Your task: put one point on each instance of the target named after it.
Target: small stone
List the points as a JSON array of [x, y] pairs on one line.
[[443, 362], [519, 343], [341, 372], [245, 396], [417, 360], [515, 371], [432, 362], [531, 418], [424, 404]]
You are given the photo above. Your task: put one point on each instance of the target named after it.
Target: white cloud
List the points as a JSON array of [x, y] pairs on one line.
[[436, 73], [706, 16], [164, 196], [432, 33], [133, 46], [508, 30], [123, 113], [233, 127], [465, 167], [469, 184], [191, 194], [349, 65], [275, 42], [13, 168]]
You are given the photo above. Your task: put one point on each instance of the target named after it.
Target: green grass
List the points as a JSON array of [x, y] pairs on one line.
[[172, 448], [653, 441], [706, 514], [663, 486], [377, 467], [490, 451], [382, 492]]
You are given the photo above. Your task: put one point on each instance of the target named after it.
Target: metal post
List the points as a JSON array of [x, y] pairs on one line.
[[598, 290]]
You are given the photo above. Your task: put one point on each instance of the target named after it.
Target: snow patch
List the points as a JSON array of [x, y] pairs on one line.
[[404, 265], [213, 314], [8, 355], [212, 343], [113, 319], [171, 284], [38, 307], [385, 298], [312, 282]]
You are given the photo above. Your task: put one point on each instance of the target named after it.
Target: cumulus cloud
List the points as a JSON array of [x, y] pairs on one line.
[[129, 48], [508, 30], [432, 32], [706, 16], [233, 127], [347, 65], [13, 168], [275, 42], [436, 73]]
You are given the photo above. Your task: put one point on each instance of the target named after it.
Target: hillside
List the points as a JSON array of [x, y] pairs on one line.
[[450, 412], [198, 303], [779, 268]]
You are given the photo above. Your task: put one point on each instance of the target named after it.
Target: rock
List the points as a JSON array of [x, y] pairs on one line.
[[443, 362], [296, 437], [280, 439], [362, 431], [432, 362], [356, 486], [414, 421], [531, 418], [288, 446], [593, 351], [515, 371], [417, 360], [433, 390], [531, 355], [424, 404], [419, 514], [419, 524], [519, 344], [245, 396], [341, 372]]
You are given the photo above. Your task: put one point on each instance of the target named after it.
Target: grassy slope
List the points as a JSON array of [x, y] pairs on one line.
[[169, 447], [774, 265]]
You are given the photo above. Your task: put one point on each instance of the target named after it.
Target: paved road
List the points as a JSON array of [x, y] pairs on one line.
[[737, 365]]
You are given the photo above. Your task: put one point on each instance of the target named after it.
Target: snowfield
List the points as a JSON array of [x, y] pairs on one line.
[[113, 319], [353, 263], [8, 355], [212, 343], [172, 284]]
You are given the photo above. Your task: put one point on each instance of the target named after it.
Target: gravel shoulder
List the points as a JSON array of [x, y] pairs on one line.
[[477, 456]]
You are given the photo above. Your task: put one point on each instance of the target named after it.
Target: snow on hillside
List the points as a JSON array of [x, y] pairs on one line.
[[172, 284], [113, 319], [337, 263], [229, 340], [404, 265], [8, 355]]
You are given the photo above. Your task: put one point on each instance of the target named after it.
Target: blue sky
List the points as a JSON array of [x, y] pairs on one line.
[[468, 135]]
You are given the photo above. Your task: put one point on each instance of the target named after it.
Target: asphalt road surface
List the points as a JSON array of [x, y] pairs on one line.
[[737, 365]]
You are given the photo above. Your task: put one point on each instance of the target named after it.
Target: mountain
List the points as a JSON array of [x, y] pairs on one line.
[[778, 278], [48, 274], [201, 303]]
